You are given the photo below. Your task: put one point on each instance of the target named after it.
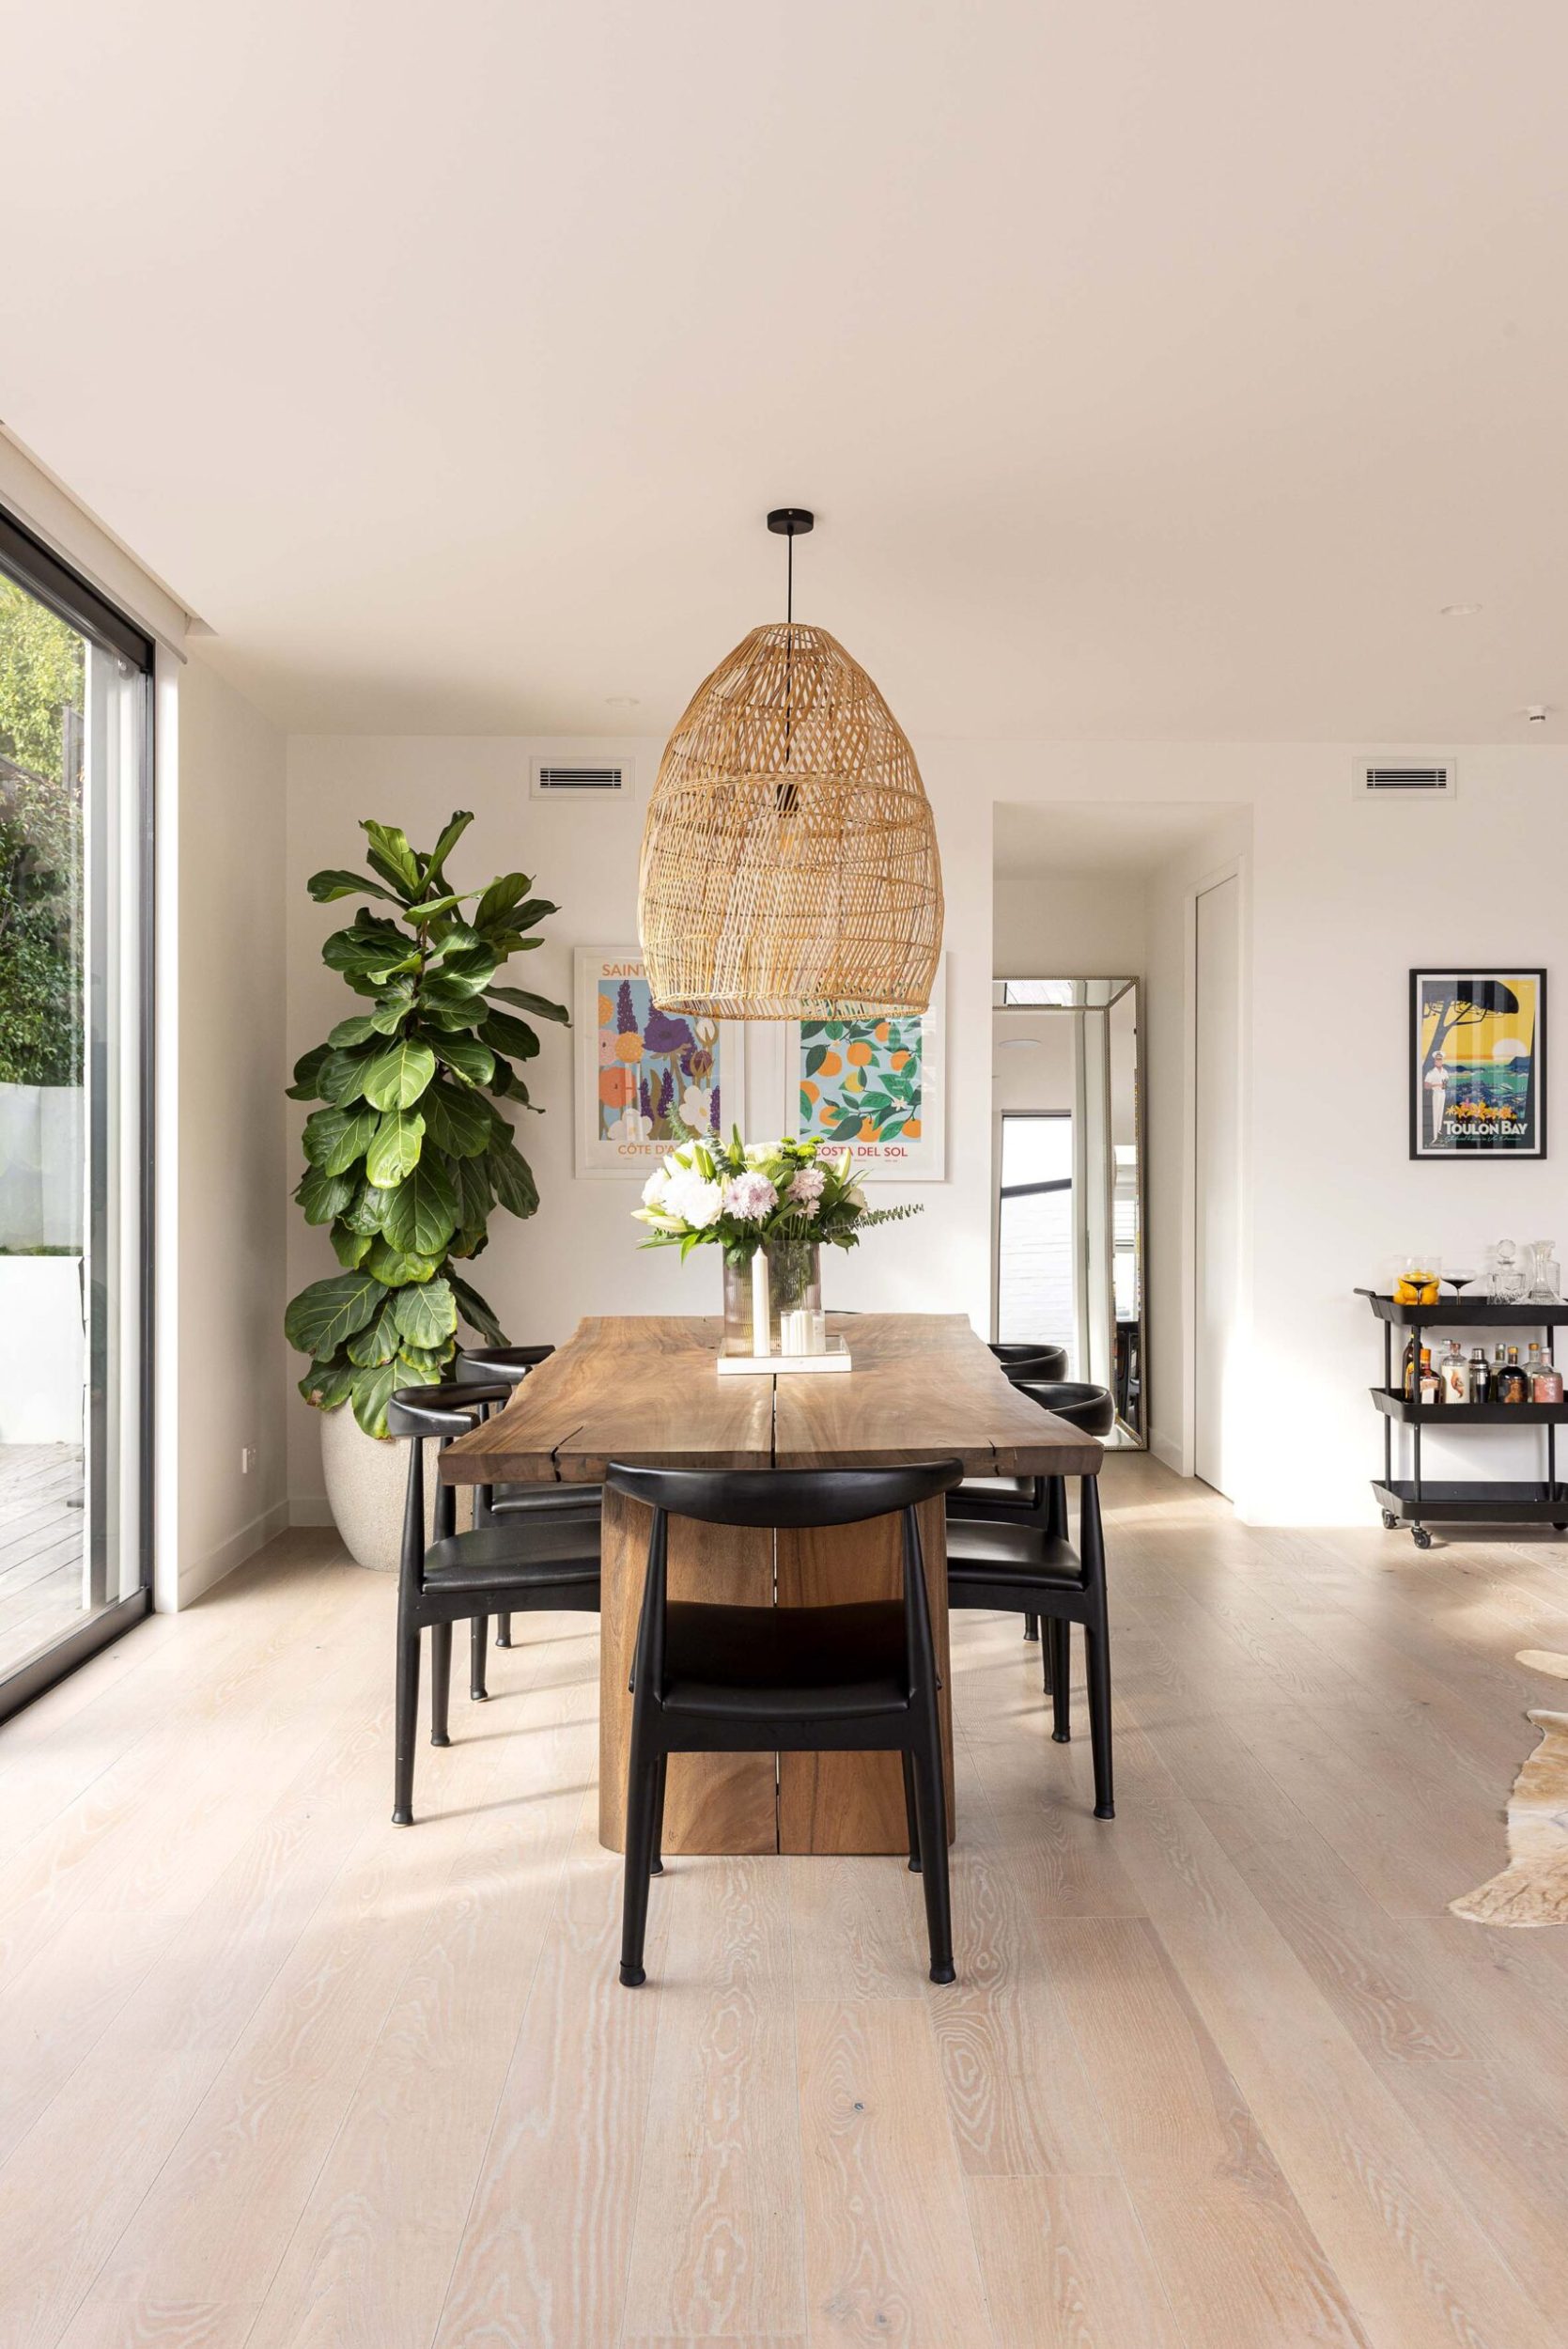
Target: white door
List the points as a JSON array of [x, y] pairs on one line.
[[1218, 1180]]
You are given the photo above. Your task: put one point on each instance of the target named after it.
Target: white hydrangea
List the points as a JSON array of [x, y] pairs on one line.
[[698, 1203], [655, 1189]]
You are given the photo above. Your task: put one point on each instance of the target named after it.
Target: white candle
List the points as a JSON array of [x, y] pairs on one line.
[[759, 1302]]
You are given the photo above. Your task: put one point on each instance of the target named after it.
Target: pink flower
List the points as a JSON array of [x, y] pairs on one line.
[[749, 1197], [807, 1188]]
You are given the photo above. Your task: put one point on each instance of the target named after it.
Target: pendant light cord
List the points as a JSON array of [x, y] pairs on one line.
[[786, 796]]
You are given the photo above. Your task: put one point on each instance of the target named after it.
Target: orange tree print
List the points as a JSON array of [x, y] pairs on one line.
[[860, 1079]]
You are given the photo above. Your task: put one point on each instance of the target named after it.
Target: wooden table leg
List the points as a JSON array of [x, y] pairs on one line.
[[854, 1803], [714, 1802]]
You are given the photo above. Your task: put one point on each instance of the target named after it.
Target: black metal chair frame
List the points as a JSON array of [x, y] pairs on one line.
[[784, 1496], [444, 1411]]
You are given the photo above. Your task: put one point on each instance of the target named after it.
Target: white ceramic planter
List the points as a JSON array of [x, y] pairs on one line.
[[366, 1483]]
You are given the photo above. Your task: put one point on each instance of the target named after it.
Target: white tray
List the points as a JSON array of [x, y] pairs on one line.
[[772, 1365]]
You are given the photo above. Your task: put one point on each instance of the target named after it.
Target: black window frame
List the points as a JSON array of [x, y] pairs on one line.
[[35, 568]]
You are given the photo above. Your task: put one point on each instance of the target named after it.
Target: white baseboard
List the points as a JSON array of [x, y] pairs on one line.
[[1169, 1453], [203, 1572], [309, 1509]]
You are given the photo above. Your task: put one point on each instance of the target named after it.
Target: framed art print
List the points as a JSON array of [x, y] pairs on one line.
[[639, 1069], [875, 1085], [1478, 1064]]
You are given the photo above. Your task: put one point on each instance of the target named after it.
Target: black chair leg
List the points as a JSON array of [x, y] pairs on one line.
[[1096, 1643], [931, 1798], [658, 1868], [503, 1631], [1032, 1627], [440, 1682], [642, 1813], [406, 1732], [1061, 1679], [478, 1633], [911, 1811]]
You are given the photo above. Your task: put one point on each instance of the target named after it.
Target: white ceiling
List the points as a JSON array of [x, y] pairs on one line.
[[1155, 371], [1111, 838]]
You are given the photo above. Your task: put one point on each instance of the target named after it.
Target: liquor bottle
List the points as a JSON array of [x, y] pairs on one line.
[[1455, 1375], [1430, 1389], [1408, 1380], [1481, 1376], [1514, 1387], [1547, 1387]]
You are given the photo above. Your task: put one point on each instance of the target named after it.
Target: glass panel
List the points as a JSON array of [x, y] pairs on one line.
[[72, 718], [1034, 1236]]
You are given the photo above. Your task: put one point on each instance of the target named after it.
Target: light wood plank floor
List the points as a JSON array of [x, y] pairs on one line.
[[1221, 2075], [40, 1547]]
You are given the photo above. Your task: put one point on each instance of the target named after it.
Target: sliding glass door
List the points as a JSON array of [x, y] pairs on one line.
[[75, 682]]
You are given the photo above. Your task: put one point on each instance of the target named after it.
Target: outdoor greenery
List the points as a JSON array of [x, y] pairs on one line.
[[41, 680], [407, 1155]]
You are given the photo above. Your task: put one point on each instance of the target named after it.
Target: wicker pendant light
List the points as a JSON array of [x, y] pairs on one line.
[[789, 860]]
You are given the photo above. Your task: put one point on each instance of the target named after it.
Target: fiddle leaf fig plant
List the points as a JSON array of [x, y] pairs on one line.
[[409, 1151]]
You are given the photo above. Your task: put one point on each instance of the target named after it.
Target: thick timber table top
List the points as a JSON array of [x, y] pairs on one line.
[[644, 1388]]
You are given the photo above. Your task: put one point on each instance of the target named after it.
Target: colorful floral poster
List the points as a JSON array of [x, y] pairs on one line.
[[876, 1086], [642, 1073]]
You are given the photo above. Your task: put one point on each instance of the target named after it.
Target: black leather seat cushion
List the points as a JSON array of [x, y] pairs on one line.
[[984, 1550], [822, 1663], [547, 1501], [502, 1557], [1018, 1489]]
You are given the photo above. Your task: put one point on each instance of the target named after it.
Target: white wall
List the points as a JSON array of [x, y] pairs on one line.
[[1067, 925], [1344, 897], [231, 1177]]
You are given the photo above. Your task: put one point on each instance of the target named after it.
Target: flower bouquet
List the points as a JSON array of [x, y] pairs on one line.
[[771, 1207]]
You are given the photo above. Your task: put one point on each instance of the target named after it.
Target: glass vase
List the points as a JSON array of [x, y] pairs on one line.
[[782, 1276]]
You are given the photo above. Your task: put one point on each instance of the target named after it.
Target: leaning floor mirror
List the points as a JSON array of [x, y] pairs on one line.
[[1067, 1196]]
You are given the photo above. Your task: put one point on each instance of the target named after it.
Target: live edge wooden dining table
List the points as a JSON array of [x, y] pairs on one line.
[[645, 1389]]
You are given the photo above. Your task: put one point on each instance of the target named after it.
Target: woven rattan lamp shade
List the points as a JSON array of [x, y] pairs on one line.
[[789, 859]]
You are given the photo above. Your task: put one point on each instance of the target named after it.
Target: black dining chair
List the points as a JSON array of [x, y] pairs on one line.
[[512, 1363], [859, 1678], [1034, 1359], [521, 1566], [1012, 1493], [1028, 1566]]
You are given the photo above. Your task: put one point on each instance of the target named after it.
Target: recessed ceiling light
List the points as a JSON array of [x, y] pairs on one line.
[[1459, 611], [622, 700]]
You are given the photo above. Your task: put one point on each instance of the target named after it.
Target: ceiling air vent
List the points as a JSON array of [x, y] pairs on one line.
[[1398, 779], [554, 779]]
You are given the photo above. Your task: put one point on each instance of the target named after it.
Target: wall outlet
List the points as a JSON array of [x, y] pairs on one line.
[[247, 1459]]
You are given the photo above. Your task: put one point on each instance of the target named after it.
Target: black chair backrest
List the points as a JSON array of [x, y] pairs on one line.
[[1093, 1409], [477, 1363], [1032, 1361], [443, 1411], [792, 1497]]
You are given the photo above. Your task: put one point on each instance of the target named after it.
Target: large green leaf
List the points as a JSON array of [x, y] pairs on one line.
[[457, 1122], [372, 1391], [540, 1005], [365, 1211], [337, 882], [334, 1138], [422, 1213], [323, 1315], [369, 954], [391, 856], [512, 1176], [377, 1342], [342, 1078], [327, 1384], [476, 1312], [350, 1248], [450, 997], [476, 1194], [398, 1076], [392, 1009], [528, 916], [466, 1058], [457, 824], [348, 1032], [504, 891], [307, 1070], [425, 1316], [323, 1196], [395, 1148], [507, 1034], [396, 1267], [427, 910]]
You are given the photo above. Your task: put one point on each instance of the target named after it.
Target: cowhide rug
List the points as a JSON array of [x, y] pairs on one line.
[[1533, 1889]]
